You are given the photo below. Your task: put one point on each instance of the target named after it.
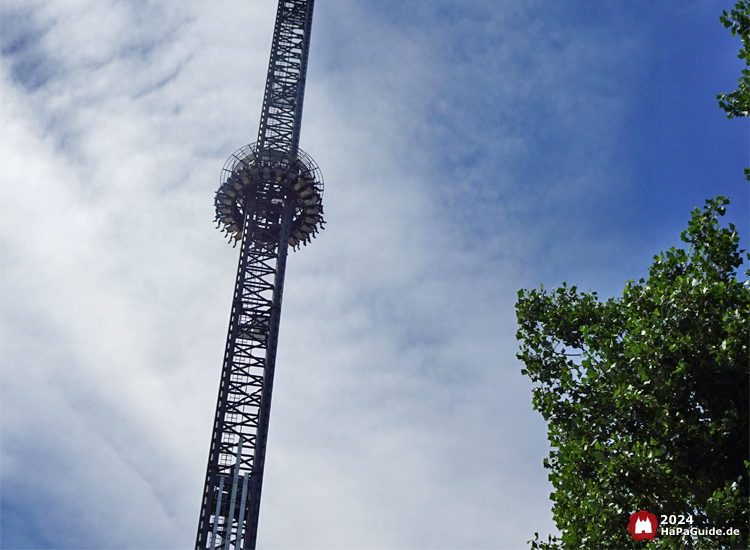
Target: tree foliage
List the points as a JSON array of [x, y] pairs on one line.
[[646, 395], [737, 103]]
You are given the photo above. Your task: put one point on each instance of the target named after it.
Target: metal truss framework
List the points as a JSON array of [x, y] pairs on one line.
[[269, 198], [281, 117]]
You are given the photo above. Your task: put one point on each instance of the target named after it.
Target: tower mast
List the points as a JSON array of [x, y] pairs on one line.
[[269, 199]]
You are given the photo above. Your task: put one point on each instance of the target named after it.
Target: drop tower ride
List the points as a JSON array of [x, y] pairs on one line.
[[269, 199]]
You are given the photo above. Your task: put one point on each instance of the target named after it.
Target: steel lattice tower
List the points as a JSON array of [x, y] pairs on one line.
[[269, 199]]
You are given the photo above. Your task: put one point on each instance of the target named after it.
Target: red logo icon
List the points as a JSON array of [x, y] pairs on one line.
[[643, 525]]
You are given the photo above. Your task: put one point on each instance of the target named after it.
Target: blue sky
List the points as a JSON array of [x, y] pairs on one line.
[[469, 149]]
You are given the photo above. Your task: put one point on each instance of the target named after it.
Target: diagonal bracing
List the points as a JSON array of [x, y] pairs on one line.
[[269, 199]]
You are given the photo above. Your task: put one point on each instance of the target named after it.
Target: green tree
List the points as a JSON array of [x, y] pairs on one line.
[[646, 395], [737, 103]]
